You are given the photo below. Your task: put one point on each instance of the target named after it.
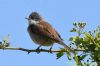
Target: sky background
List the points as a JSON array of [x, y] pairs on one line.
[[59, 13]]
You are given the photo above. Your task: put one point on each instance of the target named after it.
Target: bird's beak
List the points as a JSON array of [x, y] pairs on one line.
[[27, 18]]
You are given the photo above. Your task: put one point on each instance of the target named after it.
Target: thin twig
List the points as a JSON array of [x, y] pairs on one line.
[[40, 50]]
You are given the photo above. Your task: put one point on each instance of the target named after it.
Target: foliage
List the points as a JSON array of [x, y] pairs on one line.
[[5, 42], [88, 42], [60, 54]]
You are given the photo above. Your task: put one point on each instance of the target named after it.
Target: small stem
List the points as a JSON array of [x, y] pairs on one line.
[[41, 50]]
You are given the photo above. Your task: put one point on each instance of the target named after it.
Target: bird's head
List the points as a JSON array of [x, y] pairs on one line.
[[34, 18]]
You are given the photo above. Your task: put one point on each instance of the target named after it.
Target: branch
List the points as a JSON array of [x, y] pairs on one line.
[[40, 50]]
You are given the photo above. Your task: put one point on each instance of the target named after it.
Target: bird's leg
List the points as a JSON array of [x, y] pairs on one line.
[[50, 50], [38, 49]]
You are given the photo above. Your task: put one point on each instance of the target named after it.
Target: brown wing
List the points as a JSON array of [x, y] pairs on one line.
[[48, 31], [59, 35]]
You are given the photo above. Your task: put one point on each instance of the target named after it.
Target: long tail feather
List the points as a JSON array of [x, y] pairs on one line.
[[66, 47]]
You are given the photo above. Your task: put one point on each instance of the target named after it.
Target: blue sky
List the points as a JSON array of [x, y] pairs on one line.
[[60, 13]]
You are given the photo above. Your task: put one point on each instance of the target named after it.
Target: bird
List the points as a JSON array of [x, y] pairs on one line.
[[42, 33]]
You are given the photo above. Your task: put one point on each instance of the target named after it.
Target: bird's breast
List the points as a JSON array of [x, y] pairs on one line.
[[38, 38]]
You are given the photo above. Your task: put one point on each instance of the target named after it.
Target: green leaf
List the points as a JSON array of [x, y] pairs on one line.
[[72, 38], [73, 30], [7, 45], [0, 43], [6, 41], [78, 40], [82, 57], [75, 24], [59, 55], [87, 38]]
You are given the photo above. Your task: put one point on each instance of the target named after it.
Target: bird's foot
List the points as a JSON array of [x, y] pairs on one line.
[[50, 50], [29, 51], [38, 50]]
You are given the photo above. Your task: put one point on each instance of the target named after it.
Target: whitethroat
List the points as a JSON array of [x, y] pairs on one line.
[[42, 33]]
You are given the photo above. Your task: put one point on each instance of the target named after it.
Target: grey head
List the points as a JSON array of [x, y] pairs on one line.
[[34, 18]]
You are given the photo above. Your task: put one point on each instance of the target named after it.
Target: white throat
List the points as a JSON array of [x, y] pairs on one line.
[[33, 22]]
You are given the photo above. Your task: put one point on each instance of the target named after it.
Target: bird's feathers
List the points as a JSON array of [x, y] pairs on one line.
[[46, 30]]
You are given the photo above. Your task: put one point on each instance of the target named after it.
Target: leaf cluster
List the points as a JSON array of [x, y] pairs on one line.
[[5, 42], [88, 41]]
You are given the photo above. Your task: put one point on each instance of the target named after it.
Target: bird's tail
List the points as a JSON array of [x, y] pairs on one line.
[[66, 47]]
